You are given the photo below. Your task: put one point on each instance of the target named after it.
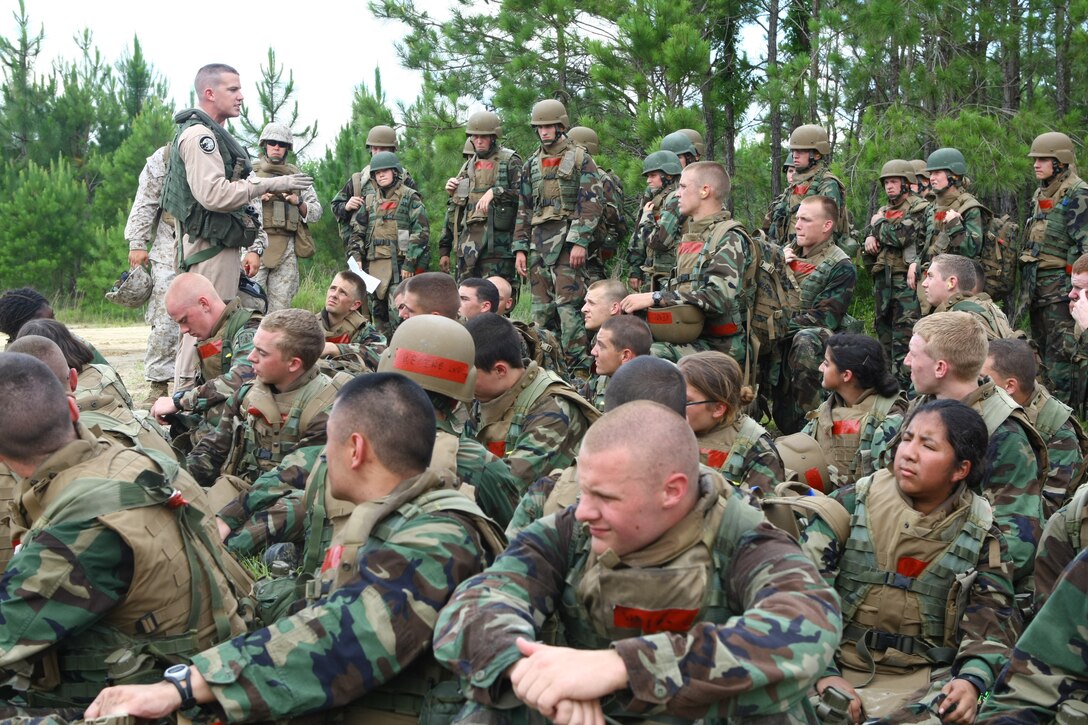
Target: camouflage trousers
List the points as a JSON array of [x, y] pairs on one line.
[[733, 346], [162, 343], [897, 309], [559, 291], [497, 261], [281, 282], [1050, 324], [799, 389]]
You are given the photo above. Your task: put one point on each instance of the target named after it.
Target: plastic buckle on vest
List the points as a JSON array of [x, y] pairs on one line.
[[877, 640], [264, 454], [899, 581]]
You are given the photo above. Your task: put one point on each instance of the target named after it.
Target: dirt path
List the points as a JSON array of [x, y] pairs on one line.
[[124, 348]]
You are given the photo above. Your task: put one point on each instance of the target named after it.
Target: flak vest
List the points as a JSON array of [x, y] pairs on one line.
[[958, 201], [556, 178], [368, 526], [343, 332], [175, 551], [678, 581], [100, 388], [484, 174], [274, 422], [839, 428], [811, 273], [697, 247], [995, 322], [281, 221], [1048, 414], [892, 257], [216, 353], [806, 184], [388, 224], [1047, 229], [900, 576], [220, 229], [500, 436], [724, 448]]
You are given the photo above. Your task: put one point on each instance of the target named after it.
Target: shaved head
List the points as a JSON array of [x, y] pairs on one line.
[[35, 419], [188, 287], [45, 350]]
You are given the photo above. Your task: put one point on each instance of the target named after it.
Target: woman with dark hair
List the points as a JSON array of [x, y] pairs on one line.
[[729, 440], [924, 575], [863, 394], [98, 383], [20, 306]]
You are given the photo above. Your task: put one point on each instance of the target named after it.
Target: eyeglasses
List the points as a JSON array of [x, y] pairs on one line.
[[698, 402], [278, 144]]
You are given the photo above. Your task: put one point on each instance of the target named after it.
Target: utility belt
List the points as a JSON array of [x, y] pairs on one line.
[[867, 640]]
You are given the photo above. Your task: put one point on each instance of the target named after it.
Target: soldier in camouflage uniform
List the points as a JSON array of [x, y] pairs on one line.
[[892, 241], [924, 575], [1055, 235], [350, 198], [656, 576], [613, 225], [89, 596], [1046, 679], [286, 217], [947, 352], [811, 151], [683, 146], [224, 339], [1064, 537], [713, 258], [285, 408], [955, 223], [730, 441], [351, 342], [1077, 341], [825, 277], [1011, 365], [558, 215], [484, 204], [389, 236], [948, 287], [149, 224], [920, 187], [365, 644], [651, 254], [621, 339], [524, 414]]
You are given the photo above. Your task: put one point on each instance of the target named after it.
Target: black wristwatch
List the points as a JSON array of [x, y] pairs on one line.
[[177, 400], [658, 298], [181, 677]]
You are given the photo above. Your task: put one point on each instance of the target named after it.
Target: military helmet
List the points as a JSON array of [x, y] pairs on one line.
[[384, 160], [436, 352], [947, 159], [587, 137], [678, 324], [810, 138], [664, 161], [549, 112], [802, 454], [696, 140], [678, 143], [383, 136], [132, 288], [898, 168], [251, 295], [469, 149], [920, 169], [276, 132], [788, 163], [484, 123], [1053, 145]]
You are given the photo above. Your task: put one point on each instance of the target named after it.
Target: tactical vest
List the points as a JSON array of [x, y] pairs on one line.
[[806, 184], [277, 214], [891, 256], [369, 526], [898, 577], [484, 175], [556, 179], [100, 388], [274, 422], [659, 262], [697, 247], [1076, 523], [541, 347], [220, 229], [1047, 413], [1047, 229], [175, 550], [840, 429], [500, 436], [810, 273], [216, 353], [388, 222], [724, 448], [344, 332], [939, 242], [993, 319]]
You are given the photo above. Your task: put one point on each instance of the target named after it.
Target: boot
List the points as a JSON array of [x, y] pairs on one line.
[[159, 389]]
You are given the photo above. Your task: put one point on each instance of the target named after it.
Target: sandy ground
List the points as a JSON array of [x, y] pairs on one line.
[[124, 348]]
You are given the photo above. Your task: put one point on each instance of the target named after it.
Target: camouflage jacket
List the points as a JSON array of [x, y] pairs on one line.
[[355, 337], [342, 215], [964, 236], [400, 210], [756, 651], [1060, 543], [826, 282], [583, 212], [367, 632], [593, 390], [1065, 445], [653, 243], [1046, 680], [901, 233], [982, 306], [613, 225], [987, 626], [816, 181]]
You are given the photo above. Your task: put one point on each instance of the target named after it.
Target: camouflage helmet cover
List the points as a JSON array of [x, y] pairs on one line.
[[276, 132], [132, 289], [437, 353]]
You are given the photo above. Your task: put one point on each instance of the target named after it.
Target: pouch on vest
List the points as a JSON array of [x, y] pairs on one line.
[[442, 703], [274, 249], [382, 268], [304, 242], [225, 489], [506, 215], [404, 239]]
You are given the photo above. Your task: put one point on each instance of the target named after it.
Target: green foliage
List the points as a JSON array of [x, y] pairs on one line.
[[274, 94]]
